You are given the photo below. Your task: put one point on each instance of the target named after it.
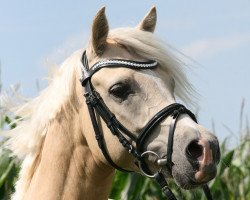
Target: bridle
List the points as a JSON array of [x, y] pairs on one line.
[[96, 106]]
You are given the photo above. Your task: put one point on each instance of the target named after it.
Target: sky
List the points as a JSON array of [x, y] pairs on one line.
[[215, 34]]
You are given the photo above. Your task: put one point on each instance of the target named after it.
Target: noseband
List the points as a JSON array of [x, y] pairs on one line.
[[96, 106]]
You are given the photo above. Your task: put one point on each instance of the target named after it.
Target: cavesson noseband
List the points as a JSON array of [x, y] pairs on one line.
[[96, 106]]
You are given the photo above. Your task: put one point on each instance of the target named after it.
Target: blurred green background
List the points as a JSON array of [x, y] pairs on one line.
[[232, 181]]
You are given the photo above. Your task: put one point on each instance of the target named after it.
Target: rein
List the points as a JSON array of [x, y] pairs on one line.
[[96, 106]]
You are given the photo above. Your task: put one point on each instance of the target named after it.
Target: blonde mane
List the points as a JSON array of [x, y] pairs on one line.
[[61, 95], [37, 113]]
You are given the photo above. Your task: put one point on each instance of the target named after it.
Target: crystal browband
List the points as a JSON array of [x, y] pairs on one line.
[[133, 64], [113, 63]]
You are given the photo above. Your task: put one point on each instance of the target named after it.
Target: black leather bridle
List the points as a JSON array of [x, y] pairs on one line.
[[96, 106]]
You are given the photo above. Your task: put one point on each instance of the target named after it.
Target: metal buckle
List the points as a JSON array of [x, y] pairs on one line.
[[140, 164]]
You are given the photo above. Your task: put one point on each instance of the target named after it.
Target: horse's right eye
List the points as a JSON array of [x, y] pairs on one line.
[[121, 91]]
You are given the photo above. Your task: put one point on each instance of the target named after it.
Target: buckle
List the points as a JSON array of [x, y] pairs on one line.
[[91, 98]]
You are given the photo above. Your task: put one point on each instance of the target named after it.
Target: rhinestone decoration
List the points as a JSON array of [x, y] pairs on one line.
[[113, 62]]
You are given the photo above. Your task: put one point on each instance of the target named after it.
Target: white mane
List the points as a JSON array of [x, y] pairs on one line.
[[36, 114]]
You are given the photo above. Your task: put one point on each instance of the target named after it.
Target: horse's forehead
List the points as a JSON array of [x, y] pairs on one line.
[[109, 76], [116, 51]]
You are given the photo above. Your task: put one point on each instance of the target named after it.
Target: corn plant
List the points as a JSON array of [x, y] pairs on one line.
[[232, 181], [9, 167]]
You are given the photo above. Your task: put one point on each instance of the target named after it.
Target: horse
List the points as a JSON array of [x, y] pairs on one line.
[[74, 134]]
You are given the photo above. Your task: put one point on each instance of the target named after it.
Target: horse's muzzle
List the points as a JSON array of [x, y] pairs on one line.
[[204, 155]]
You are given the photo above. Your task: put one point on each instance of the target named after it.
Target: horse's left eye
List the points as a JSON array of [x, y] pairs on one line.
[[121, 91]]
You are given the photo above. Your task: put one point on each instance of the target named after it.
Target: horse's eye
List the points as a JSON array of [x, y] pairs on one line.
[[121, 91]]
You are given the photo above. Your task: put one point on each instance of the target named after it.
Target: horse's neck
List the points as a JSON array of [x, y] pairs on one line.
[[65, 168]]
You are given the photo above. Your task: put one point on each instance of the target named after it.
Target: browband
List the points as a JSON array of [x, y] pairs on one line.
[[113, 63]]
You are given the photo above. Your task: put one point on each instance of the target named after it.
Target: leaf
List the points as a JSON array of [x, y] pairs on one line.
[[226, 161], [136, 183], [4, 175], [119, 183], [223, 145], [224, 189], [10, 123], [4, 160]]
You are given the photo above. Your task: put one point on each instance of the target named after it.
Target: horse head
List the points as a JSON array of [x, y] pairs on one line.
[[135, 95], [130, 120]]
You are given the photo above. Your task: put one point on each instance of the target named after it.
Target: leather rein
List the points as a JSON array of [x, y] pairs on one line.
[[96, 106]]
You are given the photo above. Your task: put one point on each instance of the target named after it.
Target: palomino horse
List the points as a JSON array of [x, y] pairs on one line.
[[130, 82]]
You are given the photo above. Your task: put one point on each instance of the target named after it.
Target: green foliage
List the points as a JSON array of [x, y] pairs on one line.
[[8, 173], [232, 181], [9, 167]]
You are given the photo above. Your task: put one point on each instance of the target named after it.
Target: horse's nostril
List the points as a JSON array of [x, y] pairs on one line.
[[194, 150]]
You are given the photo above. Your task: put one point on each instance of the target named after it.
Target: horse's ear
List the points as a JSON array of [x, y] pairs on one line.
[[100, 29], [149, 21]]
